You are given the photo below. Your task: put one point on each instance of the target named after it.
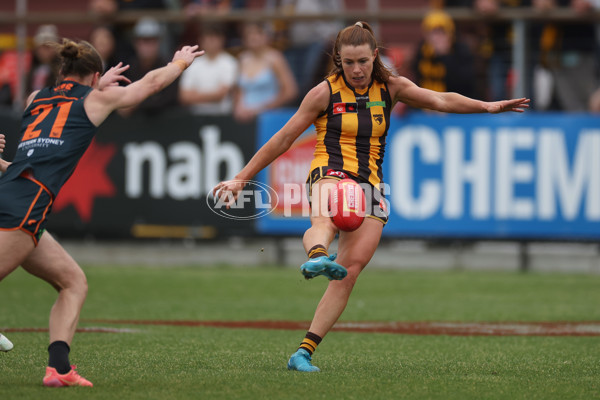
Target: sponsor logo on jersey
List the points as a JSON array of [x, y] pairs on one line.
[[343, 108], [375, 104], [339, 174]]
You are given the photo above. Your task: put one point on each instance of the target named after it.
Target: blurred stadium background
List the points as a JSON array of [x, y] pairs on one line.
[[512, 192], [469, 195]]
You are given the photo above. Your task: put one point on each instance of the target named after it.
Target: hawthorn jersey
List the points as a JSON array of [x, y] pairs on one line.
[[55, 132], [351, 132]]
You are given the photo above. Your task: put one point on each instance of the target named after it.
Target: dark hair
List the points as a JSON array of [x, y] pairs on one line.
[[356, 35], [214, 29], [78, 58]]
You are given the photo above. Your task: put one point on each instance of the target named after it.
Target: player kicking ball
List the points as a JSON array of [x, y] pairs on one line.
[[351, 111]]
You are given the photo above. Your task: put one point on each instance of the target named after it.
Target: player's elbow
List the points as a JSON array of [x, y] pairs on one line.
[[154, 85], [149, 86]]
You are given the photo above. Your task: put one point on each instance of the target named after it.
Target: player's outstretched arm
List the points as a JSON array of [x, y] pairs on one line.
[[100, 103], [314, 103], [407, 92]]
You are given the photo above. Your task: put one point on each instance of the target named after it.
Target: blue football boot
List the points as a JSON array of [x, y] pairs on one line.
[[301, 361], [323, 266]]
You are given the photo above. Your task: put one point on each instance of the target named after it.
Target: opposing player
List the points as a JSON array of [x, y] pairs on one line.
[[351, 113], [58, 125]]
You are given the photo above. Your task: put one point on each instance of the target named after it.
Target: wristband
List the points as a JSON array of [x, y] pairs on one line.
[[181, 64]]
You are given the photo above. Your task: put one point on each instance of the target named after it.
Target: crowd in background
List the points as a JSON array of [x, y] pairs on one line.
[[252, 67]]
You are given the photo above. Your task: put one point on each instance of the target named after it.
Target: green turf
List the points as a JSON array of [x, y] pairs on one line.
[[162, 362]]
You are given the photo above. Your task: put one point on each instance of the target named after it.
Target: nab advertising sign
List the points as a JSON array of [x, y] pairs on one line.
[[471, 176], [149, 176]]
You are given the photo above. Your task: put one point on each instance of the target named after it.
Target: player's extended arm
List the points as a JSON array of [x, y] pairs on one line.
[[449, 102], [100, 103], [313, 104]]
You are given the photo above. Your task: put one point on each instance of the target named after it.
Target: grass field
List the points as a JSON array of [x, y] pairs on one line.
[[170, 362]]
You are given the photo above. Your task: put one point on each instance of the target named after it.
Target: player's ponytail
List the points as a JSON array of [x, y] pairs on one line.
[[78, 58], [355, 35]]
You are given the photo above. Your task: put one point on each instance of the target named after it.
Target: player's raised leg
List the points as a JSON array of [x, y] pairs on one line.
[[355, 251], [50, 262]]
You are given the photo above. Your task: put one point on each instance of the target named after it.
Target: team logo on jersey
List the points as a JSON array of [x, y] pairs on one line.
[[343, 108], [378, 118]]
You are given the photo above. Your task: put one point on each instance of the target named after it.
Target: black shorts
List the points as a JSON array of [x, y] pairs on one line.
[[377, 206], [24, 205]]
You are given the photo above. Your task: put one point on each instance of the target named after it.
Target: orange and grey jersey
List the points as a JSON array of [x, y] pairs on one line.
[[351, 132]]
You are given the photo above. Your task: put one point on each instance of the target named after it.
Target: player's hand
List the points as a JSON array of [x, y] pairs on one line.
[[514, 105], [228, 191], [113, 76], [187, 54], [2, 142]]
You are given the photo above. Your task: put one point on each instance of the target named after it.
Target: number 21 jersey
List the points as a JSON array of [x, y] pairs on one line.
[[55, 133]]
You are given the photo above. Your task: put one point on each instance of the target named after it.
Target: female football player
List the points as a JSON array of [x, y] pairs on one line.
[[58, 125], [351, 112]]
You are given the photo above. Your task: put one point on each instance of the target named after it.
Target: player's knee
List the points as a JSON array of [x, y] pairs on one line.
[[81, 284], [76, 282], [354, 269], [324, 223]]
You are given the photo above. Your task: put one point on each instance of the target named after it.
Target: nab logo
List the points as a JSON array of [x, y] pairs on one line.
[[378, 118]]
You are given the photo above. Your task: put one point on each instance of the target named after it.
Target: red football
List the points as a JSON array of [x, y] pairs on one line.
[[347, 205]]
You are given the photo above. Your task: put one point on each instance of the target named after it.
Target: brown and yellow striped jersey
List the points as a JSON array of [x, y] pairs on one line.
[[351, 132]]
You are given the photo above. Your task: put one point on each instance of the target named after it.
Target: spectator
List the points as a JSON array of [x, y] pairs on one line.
[[44, 62], [570, 55], [265, 80], [103, 40], [494, 46], [306, 44], [107, 9], [548, 45], [585, 6], [206, 86], [8, 43], [442, 62], [147, 33], [194, 8]]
